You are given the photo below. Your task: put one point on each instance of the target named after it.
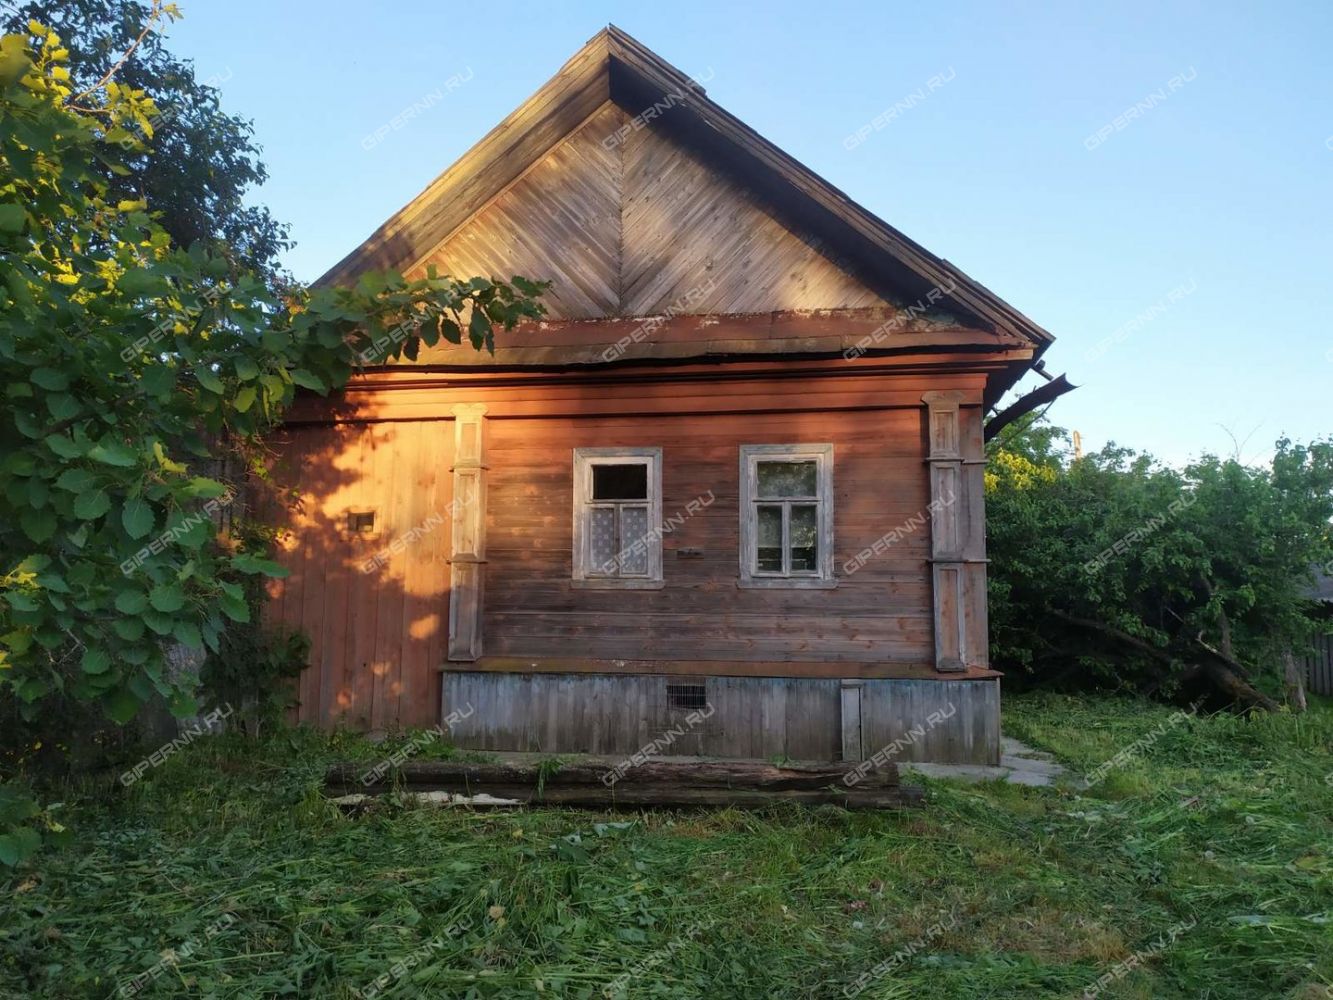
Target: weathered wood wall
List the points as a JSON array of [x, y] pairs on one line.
[[638, 226], [1319, 666], [377, 618], [377, 608], [944, 721], [881, 612]]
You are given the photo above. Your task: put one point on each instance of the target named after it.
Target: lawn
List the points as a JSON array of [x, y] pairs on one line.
[[1199, 865]]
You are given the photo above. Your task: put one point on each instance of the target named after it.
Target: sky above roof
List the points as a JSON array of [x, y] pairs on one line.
[[1153, 183]]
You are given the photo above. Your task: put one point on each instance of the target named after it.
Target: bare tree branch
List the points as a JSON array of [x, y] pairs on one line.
[[148, 26]]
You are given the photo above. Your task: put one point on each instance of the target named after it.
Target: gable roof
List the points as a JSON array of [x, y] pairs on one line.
[[614, 68], [627, 222]]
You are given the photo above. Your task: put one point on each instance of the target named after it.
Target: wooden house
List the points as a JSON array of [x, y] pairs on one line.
[[725, 499]]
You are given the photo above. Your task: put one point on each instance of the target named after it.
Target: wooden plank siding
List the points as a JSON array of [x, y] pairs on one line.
[[1319, 666], [379, 637], [375, 611], [614, 67], [955, 721], [879, 613], [641, 226], [707, 292]]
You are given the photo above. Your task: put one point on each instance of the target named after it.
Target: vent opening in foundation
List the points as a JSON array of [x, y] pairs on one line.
[[686, 697]]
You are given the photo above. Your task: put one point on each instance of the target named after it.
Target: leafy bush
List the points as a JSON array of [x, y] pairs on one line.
[[129, 365], [1116, 570], [251, 678]]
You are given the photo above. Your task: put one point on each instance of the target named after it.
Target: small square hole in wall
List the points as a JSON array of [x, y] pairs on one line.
[[686, 697], [361, 522]]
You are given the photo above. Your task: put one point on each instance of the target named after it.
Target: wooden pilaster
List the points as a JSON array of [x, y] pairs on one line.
[[958, 540], [468, 510]]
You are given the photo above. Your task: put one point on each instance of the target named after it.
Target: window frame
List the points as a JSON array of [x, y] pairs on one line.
[[585, 459], [750, 457]]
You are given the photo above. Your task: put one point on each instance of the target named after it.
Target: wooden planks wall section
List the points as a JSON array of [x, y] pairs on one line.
[[1319, 667], [879, 612], [379, 636], [375, 607], [612, 714], [946, 722], [639, 227], [755, 717]]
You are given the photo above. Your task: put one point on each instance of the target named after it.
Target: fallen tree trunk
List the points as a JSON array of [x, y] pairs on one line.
[[1217, 668], [659, 796], [742, 784], [1232, 664], [1238, 687]]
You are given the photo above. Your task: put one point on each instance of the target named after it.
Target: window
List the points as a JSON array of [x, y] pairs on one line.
[[787, 515], [361, 522], [618, 517]]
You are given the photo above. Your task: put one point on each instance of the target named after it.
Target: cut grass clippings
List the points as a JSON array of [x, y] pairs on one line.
[[226, 873]]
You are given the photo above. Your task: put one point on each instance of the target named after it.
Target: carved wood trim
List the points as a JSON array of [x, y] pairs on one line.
[[957, 531], [468, 534]]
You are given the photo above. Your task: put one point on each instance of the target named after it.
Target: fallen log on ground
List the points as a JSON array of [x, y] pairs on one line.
[[740, 784], [1217, 668]]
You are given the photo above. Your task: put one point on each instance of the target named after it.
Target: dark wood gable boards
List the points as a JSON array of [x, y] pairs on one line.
[[725, 499]]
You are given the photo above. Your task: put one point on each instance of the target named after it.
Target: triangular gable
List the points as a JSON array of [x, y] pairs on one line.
[[636, 225], [632, 213]]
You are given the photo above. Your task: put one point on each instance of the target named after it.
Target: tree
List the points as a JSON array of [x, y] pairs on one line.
[[193, 163], [127, 362], [1116, 570]]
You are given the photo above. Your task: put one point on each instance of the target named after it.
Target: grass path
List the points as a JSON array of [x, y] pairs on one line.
[[1203, 859]]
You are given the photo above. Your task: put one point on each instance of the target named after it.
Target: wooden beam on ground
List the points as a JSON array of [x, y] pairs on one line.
[[737, 784]]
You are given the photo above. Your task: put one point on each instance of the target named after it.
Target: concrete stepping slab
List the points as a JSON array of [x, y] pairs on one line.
[[1020, 764]]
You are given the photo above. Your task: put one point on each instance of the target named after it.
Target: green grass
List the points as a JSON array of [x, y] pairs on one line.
[[1222, 825]]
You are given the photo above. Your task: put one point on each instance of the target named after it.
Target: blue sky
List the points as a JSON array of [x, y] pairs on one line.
[[1184, 260]]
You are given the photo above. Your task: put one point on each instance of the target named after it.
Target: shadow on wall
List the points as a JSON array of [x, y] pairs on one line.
[[367, 543]]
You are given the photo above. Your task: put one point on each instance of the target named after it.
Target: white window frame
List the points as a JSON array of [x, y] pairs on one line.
[[751, 456], [586, 575]]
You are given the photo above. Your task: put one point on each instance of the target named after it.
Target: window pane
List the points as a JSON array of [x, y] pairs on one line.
[[769, 545], [620, 482], [634, 541], [787, 479], [803, 534], [602, 541]]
